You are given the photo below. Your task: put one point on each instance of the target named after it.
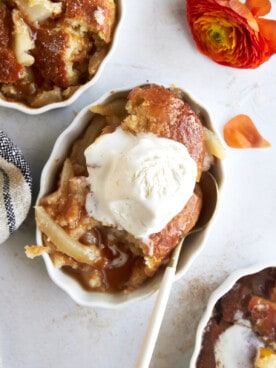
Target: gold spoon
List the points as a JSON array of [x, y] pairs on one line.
[[209, 189]]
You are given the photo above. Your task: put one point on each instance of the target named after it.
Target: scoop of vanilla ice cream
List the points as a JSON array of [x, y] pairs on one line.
[[138, 182], [236, 347]]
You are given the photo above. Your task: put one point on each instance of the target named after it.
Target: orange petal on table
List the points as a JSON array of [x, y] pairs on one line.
[[240, 132], [259, 8], [268, 30]]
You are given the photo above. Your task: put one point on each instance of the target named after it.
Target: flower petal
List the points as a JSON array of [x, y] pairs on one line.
[[240, 9], [268, 30], [258, 8], [240, 132], [244, 12]]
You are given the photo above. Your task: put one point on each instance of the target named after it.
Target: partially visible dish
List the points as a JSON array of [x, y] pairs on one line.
[[50, 52], [238, 328], [124, 241]]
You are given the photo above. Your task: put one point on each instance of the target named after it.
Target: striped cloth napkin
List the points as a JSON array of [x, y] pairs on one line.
[[15, 187]]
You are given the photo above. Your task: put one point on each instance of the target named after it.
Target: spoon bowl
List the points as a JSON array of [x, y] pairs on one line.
[[210, 192], [209, 188]]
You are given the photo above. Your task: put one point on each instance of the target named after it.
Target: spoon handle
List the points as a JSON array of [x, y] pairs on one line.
[[156, 318], [158, 311]]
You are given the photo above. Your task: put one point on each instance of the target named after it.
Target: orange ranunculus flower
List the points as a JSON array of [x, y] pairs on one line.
[[231, 32]]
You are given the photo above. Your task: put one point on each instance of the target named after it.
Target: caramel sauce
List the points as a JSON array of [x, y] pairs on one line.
[[115, 273]]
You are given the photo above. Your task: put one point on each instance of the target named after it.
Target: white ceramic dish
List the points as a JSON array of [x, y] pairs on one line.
[[193, 243], [215, 296], [39, 110]]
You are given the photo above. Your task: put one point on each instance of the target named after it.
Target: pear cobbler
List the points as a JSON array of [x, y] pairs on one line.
[[128, 190], [242, 329], [49, 48]]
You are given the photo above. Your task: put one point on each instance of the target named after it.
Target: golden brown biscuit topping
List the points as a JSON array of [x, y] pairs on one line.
[[95, 15]]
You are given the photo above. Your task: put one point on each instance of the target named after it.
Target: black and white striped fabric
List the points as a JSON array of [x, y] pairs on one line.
[[15, 187]]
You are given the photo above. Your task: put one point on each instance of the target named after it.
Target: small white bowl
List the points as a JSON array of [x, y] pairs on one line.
[[84, 87], [225, 287], [193, 243]]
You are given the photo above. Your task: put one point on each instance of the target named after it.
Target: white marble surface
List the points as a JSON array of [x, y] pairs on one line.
[[40, 326]]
